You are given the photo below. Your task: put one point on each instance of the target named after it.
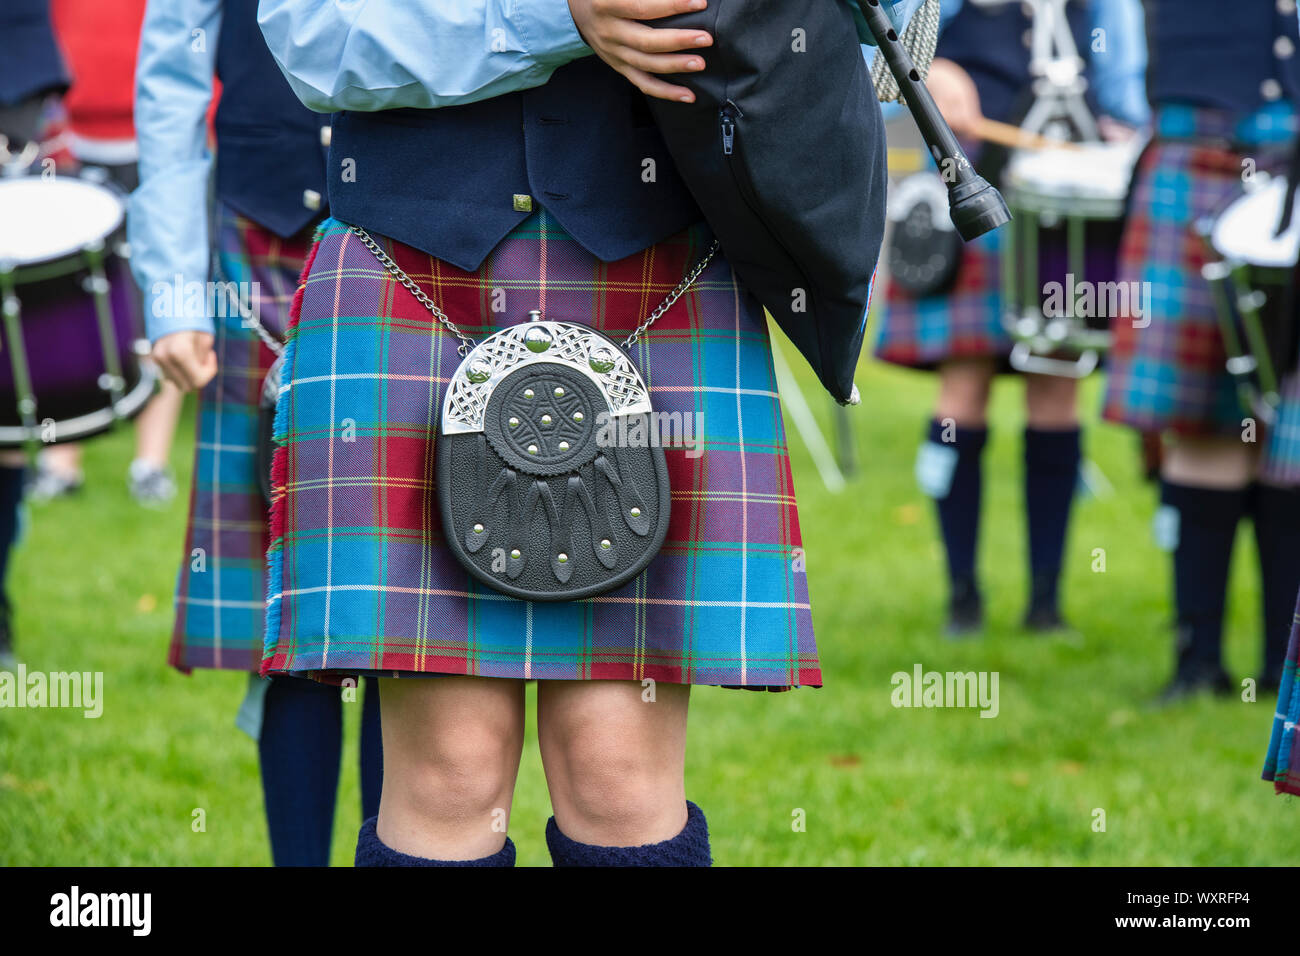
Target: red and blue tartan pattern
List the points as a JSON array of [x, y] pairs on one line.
[[964, 322], [221, 588], [1170, 374], [361, 580], [1282, 765]]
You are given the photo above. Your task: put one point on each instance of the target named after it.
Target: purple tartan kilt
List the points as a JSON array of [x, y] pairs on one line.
[[1170, 375], [361, 580], [221, 587], [965, 322]]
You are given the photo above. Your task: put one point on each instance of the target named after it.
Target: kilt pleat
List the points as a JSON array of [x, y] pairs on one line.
[[964, 322], [221, 589], [361, 581], [1282, 765], [1169, 374]]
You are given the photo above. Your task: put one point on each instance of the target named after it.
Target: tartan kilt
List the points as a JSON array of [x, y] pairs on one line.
[[361, 580], [1282, 765], [964, 322], [221, 588], [1170, 375]]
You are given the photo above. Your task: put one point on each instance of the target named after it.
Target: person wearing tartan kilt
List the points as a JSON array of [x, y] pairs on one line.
[[1224, 102], [486, 164], [216, 337], [981, 68]]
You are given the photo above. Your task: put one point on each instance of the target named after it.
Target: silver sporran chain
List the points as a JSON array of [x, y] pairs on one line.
[[467, 344]]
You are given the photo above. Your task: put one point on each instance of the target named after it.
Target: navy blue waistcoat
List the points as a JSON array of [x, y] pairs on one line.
[[453, 181], [29, 59], [1237, 56], [270, 161], [989, 44]]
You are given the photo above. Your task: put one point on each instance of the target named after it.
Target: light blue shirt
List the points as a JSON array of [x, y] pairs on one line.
[[384, 54], [167, 220], [336, 55]]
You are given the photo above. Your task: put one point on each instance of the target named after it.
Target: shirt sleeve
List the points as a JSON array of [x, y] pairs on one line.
[[386, 54], [167, 221], [1119, 60]]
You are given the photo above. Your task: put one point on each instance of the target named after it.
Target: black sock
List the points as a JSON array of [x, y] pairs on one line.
[[1277, 536], [1206, 528], [11, 497], [950, 473], [1051, 474]]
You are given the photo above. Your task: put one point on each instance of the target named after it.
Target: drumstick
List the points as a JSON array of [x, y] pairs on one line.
[[1004, 134]]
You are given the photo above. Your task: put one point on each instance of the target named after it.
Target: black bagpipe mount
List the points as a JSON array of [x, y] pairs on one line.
[[976, 207]]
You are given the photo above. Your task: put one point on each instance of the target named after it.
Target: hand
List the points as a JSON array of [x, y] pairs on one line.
[[1114, 131], [186, 359], [611, 28], [955, 94]]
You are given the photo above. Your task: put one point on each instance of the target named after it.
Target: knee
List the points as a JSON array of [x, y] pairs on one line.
[[463, 776], [1051, 401], [616, 790]]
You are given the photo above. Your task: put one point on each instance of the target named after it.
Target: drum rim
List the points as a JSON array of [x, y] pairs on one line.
[[18, 267], [1276, 184]]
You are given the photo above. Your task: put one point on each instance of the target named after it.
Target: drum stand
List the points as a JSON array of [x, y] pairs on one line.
[[1059, 83], [1249, 362], [1059, 111]]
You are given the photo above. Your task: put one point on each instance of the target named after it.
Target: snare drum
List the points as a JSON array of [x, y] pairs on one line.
[[71, 334], [1252, 273], [1061, 258]]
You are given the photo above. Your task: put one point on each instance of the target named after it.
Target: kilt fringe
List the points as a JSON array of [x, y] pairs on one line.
[[280, 465]]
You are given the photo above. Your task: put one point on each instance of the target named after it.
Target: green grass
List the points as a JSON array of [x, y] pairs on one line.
[[874, 784]]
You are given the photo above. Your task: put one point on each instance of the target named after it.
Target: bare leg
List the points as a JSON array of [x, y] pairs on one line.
[[964, 386], [451, 755], [615, 763], [156, 424]]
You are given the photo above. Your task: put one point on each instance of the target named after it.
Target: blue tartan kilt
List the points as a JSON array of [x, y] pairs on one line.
[[221, 586], [1168, 373], [964, 322]]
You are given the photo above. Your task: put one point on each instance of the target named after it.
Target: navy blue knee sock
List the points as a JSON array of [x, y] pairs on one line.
[[688, 848], [956, 484], [1051, 475], [372, 751], [1277, 537], [11, 497], [299, 748], [1206, 528], [371, 851], [302, 735]]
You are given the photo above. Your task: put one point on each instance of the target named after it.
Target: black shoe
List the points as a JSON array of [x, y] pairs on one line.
[[965, 611], [1190, 683], [1044, 620]]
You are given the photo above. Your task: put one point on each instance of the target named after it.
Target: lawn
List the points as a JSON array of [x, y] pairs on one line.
[[832, 776]]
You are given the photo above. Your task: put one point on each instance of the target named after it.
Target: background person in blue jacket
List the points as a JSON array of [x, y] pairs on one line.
[[269, 188], [1224, 93], [981, 69]]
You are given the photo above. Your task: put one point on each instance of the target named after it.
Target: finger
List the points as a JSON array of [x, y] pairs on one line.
[[659, 62], [206, 370], [652, 86], [648, 9], [649, 39], [167, 365]]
